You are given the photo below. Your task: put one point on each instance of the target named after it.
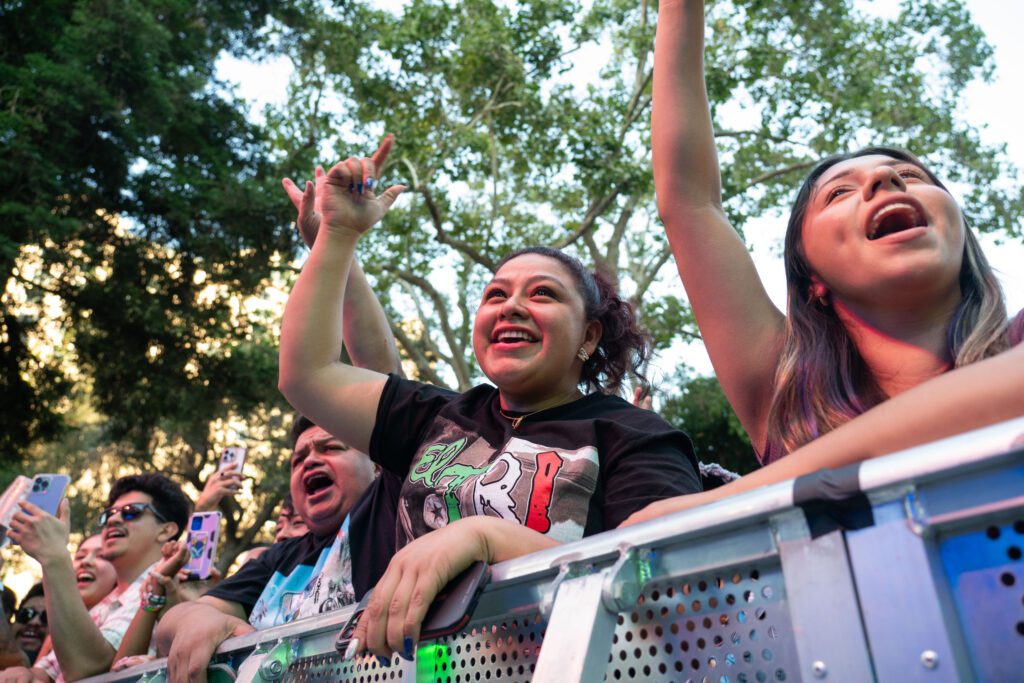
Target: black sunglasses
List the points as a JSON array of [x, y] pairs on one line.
[[128, 512], [27, 614]]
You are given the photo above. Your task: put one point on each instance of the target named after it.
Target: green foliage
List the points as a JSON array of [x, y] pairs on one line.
[[140, 209], [702, 411]]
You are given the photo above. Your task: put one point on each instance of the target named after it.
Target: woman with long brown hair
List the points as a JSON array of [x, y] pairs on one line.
[[896, 331]]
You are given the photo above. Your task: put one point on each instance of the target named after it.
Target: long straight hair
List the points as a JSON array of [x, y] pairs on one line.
[[822, 380]]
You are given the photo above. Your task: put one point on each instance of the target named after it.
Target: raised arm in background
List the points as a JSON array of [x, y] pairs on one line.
[[742, 329], [340, 398], [81, 648], [366, 334]]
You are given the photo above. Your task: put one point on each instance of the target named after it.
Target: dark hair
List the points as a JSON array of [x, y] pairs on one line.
[[168, 498], [822, 381], [287, 503], [623, 347], [35, 591], [299, 424]]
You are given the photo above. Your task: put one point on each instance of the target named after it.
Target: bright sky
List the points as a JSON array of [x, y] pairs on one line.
[[989, 106]]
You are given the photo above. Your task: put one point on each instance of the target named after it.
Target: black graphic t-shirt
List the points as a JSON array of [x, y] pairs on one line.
[[567, 472]]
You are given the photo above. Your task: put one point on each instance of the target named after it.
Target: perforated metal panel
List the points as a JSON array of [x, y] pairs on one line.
[[330, 668], [985, 569], [504, 650], [731, 626]]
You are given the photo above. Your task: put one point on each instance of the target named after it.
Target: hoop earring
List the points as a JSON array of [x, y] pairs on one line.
[[583, 355]]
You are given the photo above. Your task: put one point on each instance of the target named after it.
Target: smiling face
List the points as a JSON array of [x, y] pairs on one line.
[[128, 542], [528, 328], [327, 479], [30, 635], [877, 228], [94, 575]]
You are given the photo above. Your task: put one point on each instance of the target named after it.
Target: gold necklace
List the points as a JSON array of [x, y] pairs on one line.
[[517, 420]]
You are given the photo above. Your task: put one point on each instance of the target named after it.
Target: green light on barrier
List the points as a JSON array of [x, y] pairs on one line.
[[432, 662], [643, 568]]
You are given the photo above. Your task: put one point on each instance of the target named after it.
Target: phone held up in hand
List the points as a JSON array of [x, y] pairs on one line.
[[203, 537], [47, 491], [43, 490], [231, 459]]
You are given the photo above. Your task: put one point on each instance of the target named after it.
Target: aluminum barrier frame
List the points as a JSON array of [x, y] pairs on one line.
[[742, 590]]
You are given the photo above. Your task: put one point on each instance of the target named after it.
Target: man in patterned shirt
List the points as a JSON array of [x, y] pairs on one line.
[[144, 512]]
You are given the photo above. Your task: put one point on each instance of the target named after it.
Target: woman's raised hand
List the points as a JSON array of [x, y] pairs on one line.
[[347, 201]]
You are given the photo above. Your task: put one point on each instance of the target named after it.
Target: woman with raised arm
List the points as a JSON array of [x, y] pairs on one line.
[[896, 332], [496, 472]]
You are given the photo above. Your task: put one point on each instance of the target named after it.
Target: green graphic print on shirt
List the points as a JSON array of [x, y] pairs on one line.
[[459, 474]]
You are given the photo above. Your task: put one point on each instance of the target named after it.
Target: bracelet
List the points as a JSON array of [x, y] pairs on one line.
[[152, 603]]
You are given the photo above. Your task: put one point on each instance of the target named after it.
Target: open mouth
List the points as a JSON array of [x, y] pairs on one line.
[[316, 481], [509, 336], [114, 532], [894, 218], [31, 634], [85, 578]]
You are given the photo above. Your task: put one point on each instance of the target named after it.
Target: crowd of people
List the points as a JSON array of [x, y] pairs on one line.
[[895, 334]]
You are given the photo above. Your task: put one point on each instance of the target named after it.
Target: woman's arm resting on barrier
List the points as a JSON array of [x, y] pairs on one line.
[[191, 632], [741, 327], [417, 572], [340, 398], [970, 397]]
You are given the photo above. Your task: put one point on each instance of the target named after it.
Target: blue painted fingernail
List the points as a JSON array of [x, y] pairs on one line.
[[408, 648], [351, 187], [370, 182], [359, 188], [383, 661]]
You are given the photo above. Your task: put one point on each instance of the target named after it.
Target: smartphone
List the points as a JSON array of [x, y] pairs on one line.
[[203, 536], [232, 458], [14, 494], [450, 612], [453, 607], [47, 491]]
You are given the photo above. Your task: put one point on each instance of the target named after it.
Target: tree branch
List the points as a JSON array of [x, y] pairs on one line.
[[768, 175], [594, 211], [415, 354], [457, 357]]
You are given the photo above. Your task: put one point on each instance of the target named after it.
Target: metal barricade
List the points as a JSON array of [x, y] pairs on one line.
[[910, 570]]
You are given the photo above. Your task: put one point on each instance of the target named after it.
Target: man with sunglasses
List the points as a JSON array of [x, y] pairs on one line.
[[144, 512], [30, 626]]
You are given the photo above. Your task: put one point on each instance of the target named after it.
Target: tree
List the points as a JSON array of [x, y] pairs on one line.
[[141, 213], [702, 411]]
